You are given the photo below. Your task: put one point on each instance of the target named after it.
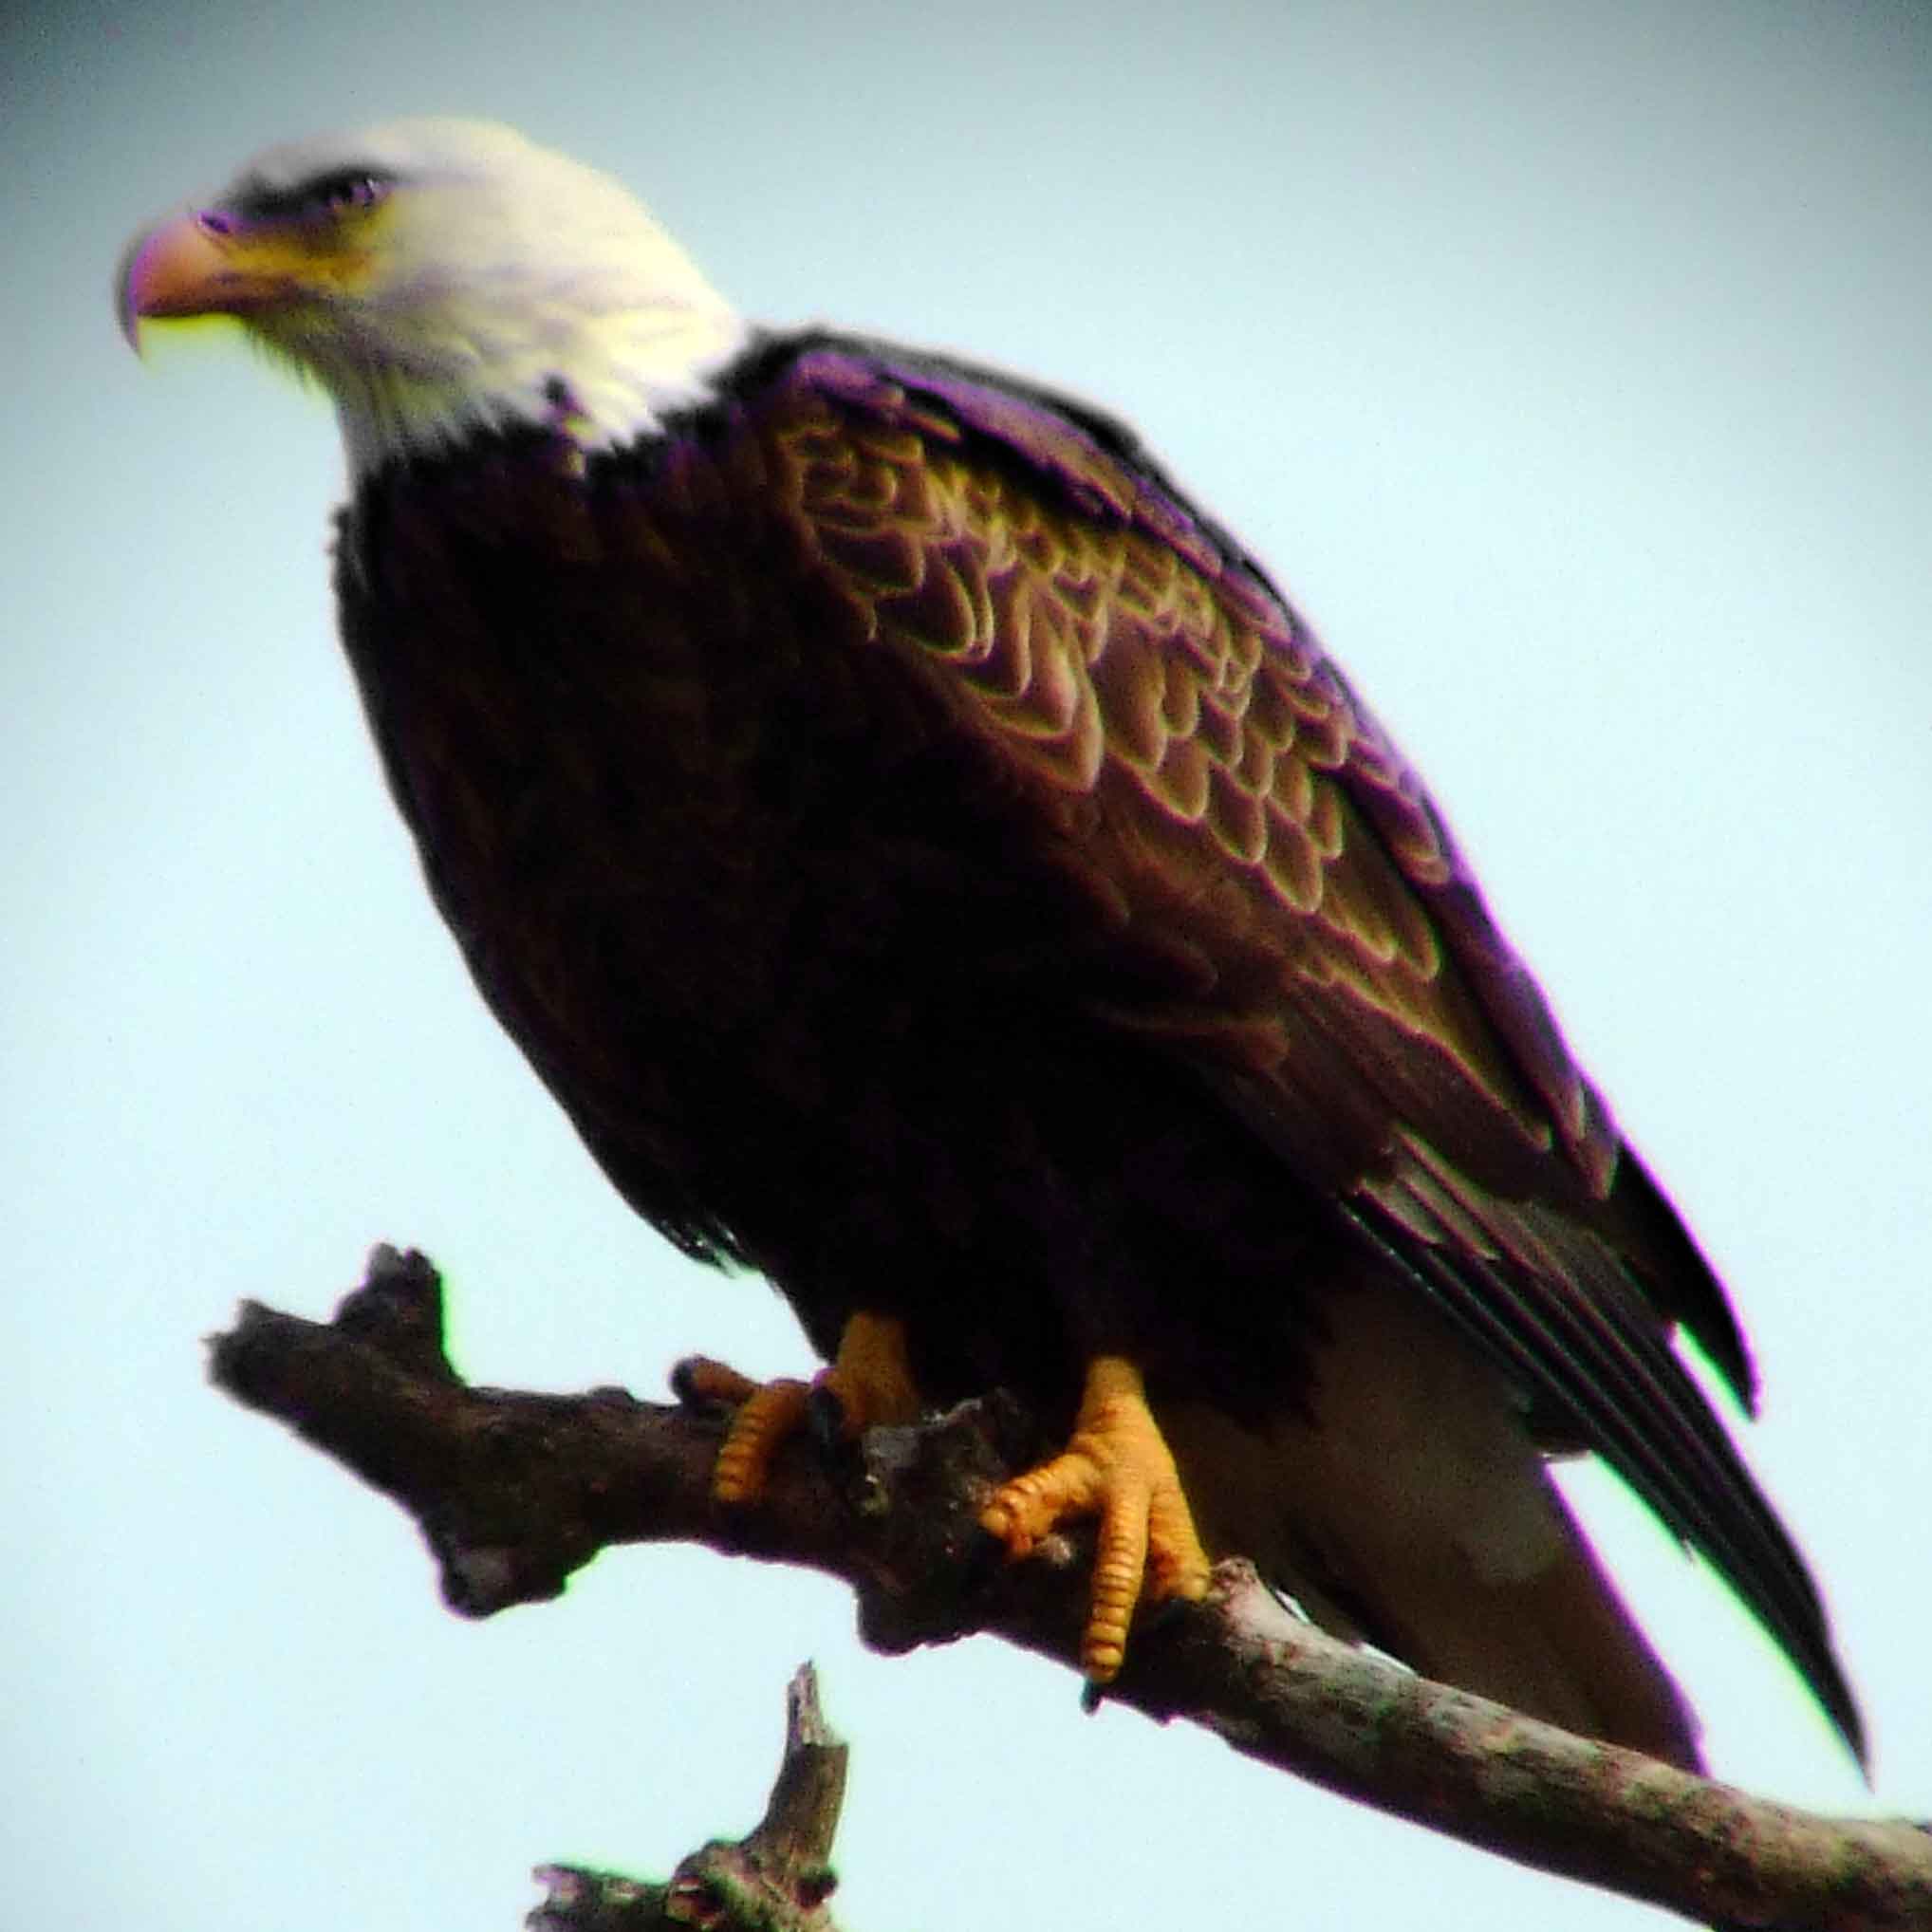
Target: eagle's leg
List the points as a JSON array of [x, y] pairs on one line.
[[1116, 1466], [870, 1379]]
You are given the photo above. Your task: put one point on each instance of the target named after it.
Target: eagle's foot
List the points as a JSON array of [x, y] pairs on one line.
[[869, 1384], [1116, 1466]]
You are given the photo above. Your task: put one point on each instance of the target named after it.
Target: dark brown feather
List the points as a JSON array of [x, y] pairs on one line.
[[932, 863]]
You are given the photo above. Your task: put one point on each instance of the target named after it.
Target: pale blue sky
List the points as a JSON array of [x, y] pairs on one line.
[[1569, 365]]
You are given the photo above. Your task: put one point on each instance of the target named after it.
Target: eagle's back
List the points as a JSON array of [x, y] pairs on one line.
[[930, 862]]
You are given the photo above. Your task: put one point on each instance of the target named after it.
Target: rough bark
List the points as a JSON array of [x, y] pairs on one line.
[[776, 1878], [514, 1492]]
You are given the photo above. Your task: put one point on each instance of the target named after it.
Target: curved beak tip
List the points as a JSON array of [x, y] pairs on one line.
[[126, 301], [175, 268]]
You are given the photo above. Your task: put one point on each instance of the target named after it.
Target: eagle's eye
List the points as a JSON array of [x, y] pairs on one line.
[[339, 193], [321, 198]]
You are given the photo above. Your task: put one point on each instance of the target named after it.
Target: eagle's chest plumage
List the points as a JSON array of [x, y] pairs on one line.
[[760, 922]]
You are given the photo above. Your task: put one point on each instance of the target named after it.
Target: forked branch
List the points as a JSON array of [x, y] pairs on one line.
[[514, 1492], [776, 1878]]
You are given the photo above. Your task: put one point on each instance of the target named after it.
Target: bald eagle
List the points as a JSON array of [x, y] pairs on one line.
[[933, 865]]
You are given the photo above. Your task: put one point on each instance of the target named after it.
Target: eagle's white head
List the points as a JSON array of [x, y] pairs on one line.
[[441, 276]]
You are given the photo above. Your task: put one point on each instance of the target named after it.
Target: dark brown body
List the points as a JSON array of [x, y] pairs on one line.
[[785, 945], [932, 866]]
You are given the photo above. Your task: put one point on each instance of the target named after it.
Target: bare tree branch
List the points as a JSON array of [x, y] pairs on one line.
[[776, 1878], [515, 1491]]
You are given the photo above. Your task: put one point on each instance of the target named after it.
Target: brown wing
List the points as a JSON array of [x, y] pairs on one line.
[[1292, 917], [1124, 655]]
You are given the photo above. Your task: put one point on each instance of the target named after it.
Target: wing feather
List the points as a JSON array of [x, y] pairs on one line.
[[1557, 1306], [1182, 735]]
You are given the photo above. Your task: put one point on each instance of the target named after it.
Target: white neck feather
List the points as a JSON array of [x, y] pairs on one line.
[[495, 285], [597, 381]]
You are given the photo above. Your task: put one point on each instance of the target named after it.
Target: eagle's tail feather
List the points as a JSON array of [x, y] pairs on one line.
[[1401, 1500], [1557, 1645]]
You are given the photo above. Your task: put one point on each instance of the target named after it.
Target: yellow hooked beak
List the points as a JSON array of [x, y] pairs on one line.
[[210, 262], [194, 265]]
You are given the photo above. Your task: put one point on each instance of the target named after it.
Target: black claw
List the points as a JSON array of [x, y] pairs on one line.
[[984, 1558], [684, 1384], [1091, 1697], [840, 1448], [1165, 1614], [826, 1418]]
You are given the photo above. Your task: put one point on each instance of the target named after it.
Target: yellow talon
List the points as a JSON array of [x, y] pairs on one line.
[[772, 1412], [698, 1377], [1116, 1466], [871, 1378]]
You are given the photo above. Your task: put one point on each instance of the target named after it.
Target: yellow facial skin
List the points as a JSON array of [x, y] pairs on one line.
[[435, 278], [216, 262]]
